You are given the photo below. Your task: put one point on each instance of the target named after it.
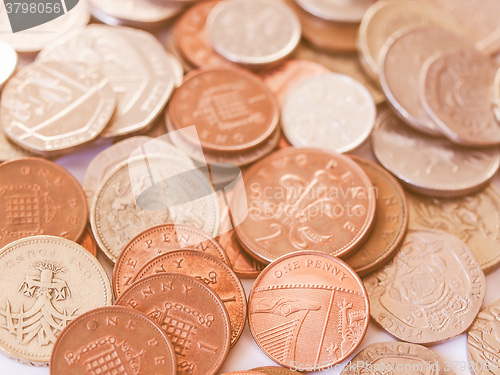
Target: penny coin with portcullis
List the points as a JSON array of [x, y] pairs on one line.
[[47, 282], [442, 168], [430, 291], [391, 220], [308, 307], [474, 218], [483, 341], [415, 359], [156, 241], [190, 314], [212, 272], [253, 33], [305, 199], [52, 107], [37, 197], [112, 340], [233, 110]]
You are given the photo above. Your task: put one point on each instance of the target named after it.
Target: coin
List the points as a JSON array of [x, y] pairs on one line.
[[253, 33], [347, 64], [110, 157], [474, 219], [213, 273], [8, 63], [391, 220], [274, 370], [192, 38], [302, 199], [319, 32], [88, 241], [191, 315], [385, 18], [402, 356], [136, 65], [38, 37], [329, 111], [9, 150], [46, 283], [343, 11], [51, 106], [456, 92], [430, 291], [308, 308], [118, 213], [156, 241], [141, 14], [401, 64], [233, 110], [281, 78], [442, 168], [483, 342], [40, 197], [112, 340]]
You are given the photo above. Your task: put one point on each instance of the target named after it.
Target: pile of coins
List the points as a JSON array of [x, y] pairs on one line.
[[214, 143]]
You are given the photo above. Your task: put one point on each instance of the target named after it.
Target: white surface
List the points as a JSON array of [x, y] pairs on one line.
[[246, 354]]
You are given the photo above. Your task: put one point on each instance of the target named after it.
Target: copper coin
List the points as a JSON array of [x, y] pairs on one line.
[[274, 370], [52, 106], [430, 291], [192, 39], [213, 273], [483, 342], [475, 219], [400, 357], [112, 340], [308, 307], [233, 110], [391, 220], [281, 78], [40, 197], [156, 241], [326, 35], [88, 241], [456, 92], [190, 314], [305, 199]]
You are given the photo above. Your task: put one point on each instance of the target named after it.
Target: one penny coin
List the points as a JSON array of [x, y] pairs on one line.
[[156, 241], [483, 341], [384, 356], [112, 340], [474, 218], [190, 314], [233, 110], [391, 220], [442, 169], [305, 199], [430, 291], [213, 273], [88, 241], [308, 308], [38, 197], [52, 106], [47, 282]]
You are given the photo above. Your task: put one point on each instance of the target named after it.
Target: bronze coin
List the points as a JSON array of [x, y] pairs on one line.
[[192, 316], [483, 341], [391, 220], [302, 199], [430, 291], [233, 109], [40, 197], [88, 241], [156, 241], [308, 307], [211, 271], [274, 370], [112, 340], [399, 358]]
